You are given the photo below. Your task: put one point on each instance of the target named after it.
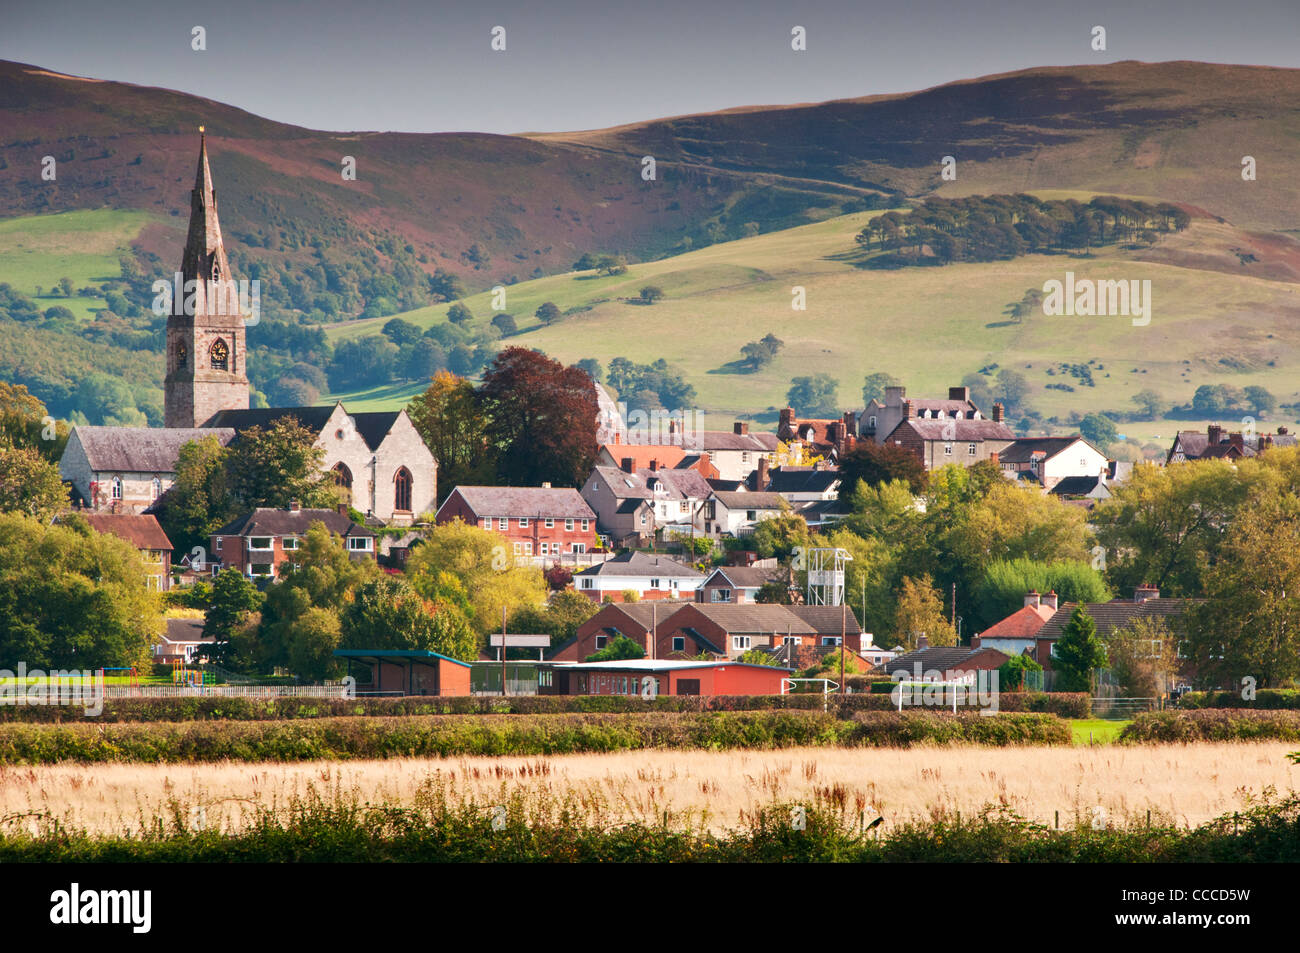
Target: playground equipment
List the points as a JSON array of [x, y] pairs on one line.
[[190, 677], [132, 675]]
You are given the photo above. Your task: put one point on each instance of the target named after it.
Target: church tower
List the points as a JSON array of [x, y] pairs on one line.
[[205, 331]]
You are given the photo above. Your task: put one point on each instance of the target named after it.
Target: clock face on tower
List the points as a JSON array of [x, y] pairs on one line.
[[220, 354]]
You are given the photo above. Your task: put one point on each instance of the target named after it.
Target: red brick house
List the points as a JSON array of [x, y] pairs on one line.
[[534, 521], [830, 439], [738, 584], [260, 542], [943, 663], [146, 535], [1018, 632], [632, 620], [731, 630]]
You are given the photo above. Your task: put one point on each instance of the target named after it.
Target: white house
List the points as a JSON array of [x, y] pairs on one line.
[[650, 577], [736, 513], [1049, 460]]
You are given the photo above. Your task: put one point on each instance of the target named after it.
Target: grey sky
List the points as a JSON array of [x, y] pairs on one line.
[[574, 64]]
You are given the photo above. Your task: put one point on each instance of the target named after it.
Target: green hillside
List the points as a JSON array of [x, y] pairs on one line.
[[1212, 322]]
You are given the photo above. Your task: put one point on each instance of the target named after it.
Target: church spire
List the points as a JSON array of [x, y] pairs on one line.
[[205, 255]]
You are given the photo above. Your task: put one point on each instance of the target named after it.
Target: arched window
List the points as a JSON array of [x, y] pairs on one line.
[[343, 480], [220, 355], [157, 488], [182, 355], [402, 490], [117, 488]]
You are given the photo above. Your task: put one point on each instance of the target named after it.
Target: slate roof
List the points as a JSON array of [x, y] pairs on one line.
[[678, 484], [141, 449], [654, 610], [1025, 447], [760, 618], [186, 630], [142, 532], [265, 521], [759, 442], [826, 620], [1115, 614], [939, 658], [373, 426], [642, 564], [1076, 486], [797, 480], [528, 501], [748, 577], [960, 430], [750, 501]]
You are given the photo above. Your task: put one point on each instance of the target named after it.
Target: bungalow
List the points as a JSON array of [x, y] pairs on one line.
[[731, 630], [650, 577], [737, 584], [181, 641], [665, 677], [260, 542], [534, 521], [146, 535]]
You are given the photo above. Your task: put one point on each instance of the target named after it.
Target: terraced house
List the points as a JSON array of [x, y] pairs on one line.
[[535, 522], [259, 544]]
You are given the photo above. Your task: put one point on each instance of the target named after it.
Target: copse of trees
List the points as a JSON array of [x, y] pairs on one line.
[[758, 354], [1001, 227], [814, 395]]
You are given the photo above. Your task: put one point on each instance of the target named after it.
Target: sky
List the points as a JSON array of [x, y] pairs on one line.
[[407, 65]]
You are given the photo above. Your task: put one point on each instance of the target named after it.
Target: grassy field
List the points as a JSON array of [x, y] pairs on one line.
[[927, 326], [1179, 784], [1096, 731], [84, 246]]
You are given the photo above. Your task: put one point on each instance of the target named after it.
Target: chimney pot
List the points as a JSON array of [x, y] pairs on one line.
[[922, 642], [1032, 599], [907, 410], [1215, 434], [546, 486], [629, 465], [343, 509], [1050, 600], [293, 506]]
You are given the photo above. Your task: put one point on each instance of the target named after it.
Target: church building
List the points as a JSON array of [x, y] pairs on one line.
[[378, 460]]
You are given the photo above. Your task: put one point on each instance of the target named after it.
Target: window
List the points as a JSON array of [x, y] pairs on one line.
[[830, 640], [970, 450], [740, 642], [550, 524], [568, 526], [503, 522], [744, 457], [219, 355], [260, 569], [586, 525], [545, 548], [587, 583], [156, 488], [790, 640], [947, 450], [528, 547], [182, 355], [519, 548], [643, 517], [654, 583], [343, 480], [290, 542], [751, 515], [260, 542], [360, 544], [601, 640], [579, 548], [683, 507], [523, 522], [720, 595], [117, 488], [217, 543], [487, 522], [871, 421], [679, 643], [402, 490]]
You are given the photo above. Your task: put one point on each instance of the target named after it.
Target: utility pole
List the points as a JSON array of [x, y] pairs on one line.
[[952, 617], [503, 651], [844, 626]]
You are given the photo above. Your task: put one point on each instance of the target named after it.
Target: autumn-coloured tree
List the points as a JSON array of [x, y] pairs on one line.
[[918, 612], [541, 419], [874, 463], [450, 418]]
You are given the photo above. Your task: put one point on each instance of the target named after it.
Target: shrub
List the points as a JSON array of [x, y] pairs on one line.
[[1264, 698], [1213, 724]]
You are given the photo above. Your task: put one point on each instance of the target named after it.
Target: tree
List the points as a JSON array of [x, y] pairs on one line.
[[30, 484], [780, 536], [757, 657], [401, 331], [1143, 657], [542, 419], [277, 466], [198, 502], [1151, 405], [505, 324], [591, 367], [774, 593], [1260, 400], [813, 396], [560, 618], [1006, 581], [621, 648], [919, 611], [459, 314], [611, 265], [65, 285], [25, 423], [452, 422], [1078, 652], [469, 567], [873, 387], [1099, 430], [1011, 673], [387, 613], [234, 598], [874, 463], [651, 293], [71, 597], [1012, 388], [761, 352], [548, 313]]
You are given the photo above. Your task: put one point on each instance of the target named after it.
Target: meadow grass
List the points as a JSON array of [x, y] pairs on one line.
[[1096, 731]]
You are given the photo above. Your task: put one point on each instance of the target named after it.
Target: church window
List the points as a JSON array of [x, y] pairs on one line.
[[117, 488], [182, 355], [157, 488], [402, 490], [220, 355], [343, 480]]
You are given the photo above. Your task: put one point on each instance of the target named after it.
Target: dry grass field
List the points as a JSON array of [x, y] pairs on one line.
[[1185, 785]]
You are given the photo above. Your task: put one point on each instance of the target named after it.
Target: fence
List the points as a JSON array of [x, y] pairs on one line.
[[226, 691], [1110, 706]]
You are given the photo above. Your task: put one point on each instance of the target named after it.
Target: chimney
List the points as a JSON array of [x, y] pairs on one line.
[[959, 393], [1145, 592], [294, 506], [1032, 599], [654, 466], [907, 410], [343, 509], [704, 464], [997, 413], [741, 428], [850, 424], [1050, 600], [762, 481], [1268, 441], [1236, 439], [629, 465], [922, 642], [993, 457], [1215, 433], [894, 396], [834, 433], [787, 419], [546, 486]]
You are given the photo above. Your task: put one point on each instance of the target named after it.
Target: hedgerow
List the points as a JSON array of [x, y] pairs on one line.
[[1213, 724]]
